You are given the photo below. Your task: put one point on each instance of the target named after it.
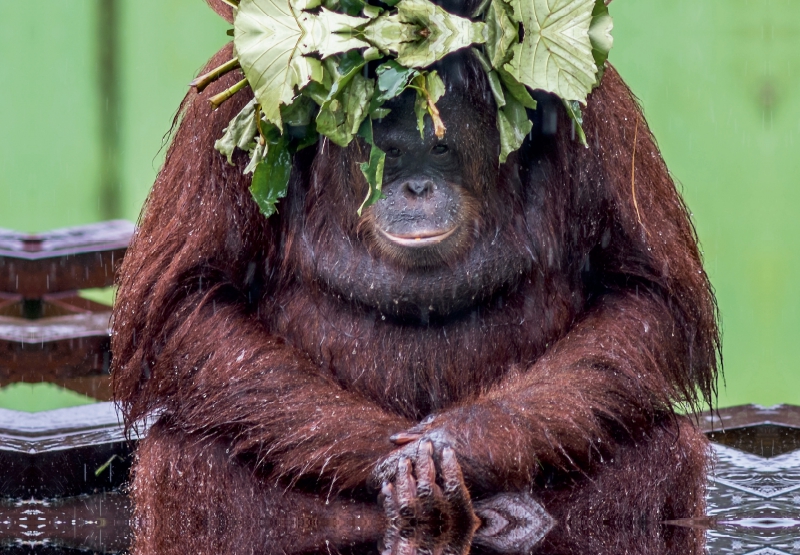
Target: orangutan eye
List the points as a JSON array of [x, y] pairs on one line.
[[393, 153], [438, 150]]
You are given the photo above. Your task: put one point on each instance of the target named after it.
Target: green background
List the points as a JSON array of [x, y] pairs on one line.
[[719, 81]]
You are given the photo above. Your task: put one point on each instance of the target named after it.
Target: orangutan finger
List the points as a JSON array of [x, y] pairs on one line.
[[428, 492], [455, 490], [388, 500], [404, 438], [425, 469], [406, 489], [452, 477]]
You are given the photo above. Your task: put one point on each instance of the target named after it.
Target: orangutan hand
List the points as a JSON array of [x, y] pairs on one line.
[[426, 515]]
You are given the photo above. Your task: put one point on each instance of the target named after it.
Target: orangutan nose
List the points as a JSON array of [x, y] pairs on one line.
[[418, 187]]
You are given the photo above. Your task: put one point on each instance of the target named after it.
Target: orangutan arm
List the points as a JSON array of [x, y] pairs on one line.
[[605, 377], [217, 371]]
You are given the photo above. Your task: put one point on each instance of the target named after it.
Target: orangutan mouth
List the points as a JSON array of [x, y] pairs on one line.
[[421, 239]]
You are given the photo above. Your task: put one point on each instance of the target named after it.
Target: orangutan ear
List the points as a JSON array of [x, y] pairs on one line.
[[222, 8]]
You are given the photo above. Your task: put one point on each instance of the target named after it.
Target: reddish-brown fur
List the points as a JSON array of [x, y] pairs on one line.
[[222, 325]]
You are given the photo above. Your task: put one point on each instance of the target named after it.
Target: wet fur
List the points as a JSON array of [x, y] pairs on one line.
[[563, 336]]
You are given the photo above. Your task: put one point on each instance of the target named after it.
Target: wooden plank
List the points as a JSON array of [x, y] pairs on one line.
[[62, 260], [745, 416], [54, 349]]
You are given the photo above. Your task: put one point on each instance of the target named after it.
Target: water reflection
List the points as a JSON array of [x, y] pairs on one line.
[[753, 506], [754, 501]]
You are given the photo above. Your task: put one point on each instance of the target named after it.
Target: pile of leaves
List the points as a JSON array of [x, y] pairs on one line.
[[306, 63]]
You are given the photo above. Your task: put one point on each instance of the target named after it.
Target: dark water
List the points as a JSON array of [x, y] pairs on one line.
[[753, 507]]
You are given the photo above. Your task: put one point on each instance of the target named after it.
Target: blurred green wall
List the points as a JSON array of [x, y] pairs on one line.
[[720, 84], [719, 81], [52, 112]]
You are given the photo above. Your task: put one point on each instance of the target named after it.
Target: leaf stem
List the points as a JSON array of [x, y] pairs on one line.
[[261, 138], [218, 99], [202, 81]]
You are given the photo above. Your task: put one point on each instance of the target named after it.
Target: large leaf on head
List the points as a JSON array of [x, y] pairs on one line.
[[556, 51], [272, 38], [328, 32], [419, 32]]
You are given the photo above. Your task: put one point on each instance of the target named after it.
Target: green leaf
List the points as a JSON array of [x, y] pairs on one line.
[[435, 89], [260, 147], [340, 118], [241, 132], [420, 33], [352, 7], [303, 4], [513, 125], [517, 89], [256, 156], [272, 39], [373, 171], [392, 80], [327, 33], [373, 168], [299, 113], [304, 137], [342, 69], [271, 177], [556, 52], [317, 92], [430, 88], [350, 91], [371, 11], [494, 80], [600, 36], [501, 32], [347, 64], [574, 112], [497, 88], [434, 85], [420, 108]]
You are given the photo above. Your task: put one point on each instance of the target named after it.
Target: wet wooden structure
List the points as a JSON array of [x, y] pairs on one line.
[[48, 332], [61, 471]]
